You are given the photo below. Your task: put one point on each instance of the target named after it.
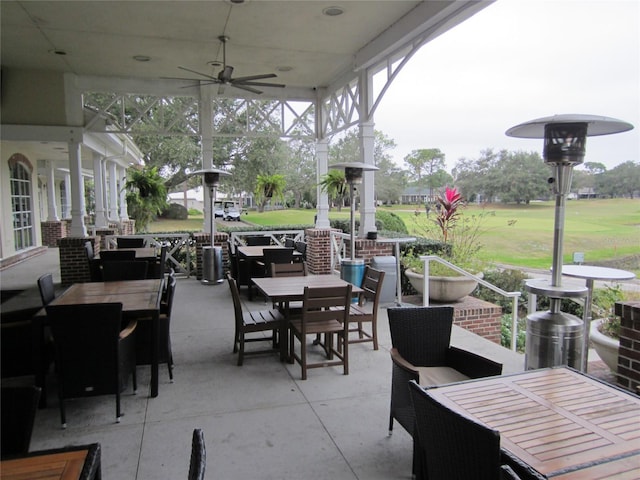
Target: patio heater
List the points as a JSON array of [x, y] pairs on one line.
[[554, 337], [353, 270], [211, 256]]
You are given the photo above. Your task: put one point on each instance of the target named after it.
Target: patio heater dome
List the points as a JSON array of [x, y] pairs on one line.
[[553, 337]]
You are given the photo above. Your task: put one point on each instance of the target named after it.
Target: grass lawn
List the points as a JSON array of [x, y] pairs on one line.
[[607, 231]]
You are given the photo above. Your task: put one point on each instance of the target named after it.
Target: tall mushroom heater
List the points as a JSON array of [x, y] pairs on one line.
[[212, 255], [554, 337], [353, 270]]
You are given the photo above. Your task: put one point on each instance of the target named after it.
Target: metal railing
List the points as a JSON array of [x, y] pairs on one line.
[[513, 295], [277, 236], [179, 245]]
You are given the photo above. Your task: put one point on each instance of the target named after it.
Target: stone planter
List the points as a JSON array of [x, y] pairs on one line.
[[606, 347], [443, 289]]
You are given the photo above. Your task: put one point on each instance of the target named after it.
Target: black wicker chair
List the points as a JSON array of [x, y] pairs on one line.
[[19, 406], [258, 240], [144, 338], [454, 447], [421, 351], [95, 273], [276, 255], [46, 288], [117, 255], [124, 270], [93, 355], [198, 460]]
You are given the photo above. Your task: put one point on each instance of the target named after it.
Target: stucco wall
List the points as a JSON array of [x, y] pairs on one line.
[[32, 97]]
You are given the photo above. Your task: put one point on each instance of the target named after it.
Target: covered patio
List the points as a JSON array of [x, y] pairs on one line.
[[259, 420]]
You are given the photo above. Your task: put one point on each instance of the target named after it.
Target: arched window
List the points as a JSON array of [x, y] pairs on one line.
[[21, 204]]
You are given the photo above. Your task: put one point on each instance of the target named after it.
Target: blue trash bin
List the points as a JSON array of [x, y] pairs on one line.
[[352, 271]]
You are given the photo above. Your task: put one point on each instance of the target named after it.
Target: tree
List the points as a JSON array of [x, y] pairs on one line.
[[300, 171], [146, 195], [429, 162], [622, 180]]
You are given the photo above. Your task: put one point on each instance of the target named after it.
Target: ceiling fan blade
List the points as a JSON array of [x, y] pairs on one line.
[[221, 88], [258, 84], [255, 77], [248, 89], [210, 77]]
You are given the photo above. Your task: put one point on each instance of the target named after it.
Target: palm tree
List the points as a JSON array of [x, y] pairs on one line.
[[335, 184]]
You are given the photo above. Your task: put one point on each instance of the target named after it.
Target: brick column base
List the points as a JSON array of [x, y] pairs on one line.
[[629, 350], [52, 231], [74, 267], [204, 240], [319, 250]]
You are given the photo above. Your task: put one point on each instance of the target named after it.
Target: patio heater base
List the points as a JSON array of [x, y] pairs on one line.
[[553, 339]]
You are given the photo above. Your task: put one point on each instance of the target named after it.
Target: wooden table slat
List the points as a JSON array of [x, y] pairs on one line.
[[56, 466]]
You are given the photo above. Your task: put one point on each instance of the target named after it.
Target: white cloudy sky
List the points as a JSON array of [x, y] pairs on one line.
[[514, 61]]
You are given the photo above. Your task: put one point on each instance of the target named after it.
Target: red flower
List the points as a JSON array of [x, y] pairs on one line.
[[448, 204]]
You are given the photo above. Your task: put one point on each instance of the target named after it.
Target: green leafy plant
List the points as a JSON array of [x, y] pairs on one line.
[[459, 234], [269, 187], [146, 195], [604, 300], [334, 183]]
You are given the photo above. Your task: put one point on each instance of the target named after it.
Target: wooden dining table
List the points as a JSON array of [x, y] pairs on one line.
[[256, 252], [139, 298], [61, 464], [291, 289], [560, 422], [143, 253]]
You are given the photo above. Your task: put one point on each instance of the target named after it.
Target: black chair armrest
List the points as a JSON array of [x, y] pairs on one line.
[[128, 330], [404, 365], [521, 469], [401, 404], [472, 365]]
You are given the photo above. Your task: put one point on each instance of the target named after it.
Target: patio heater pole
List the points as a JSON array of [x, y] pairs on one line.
[[553, 337], [209, 275], [353, 175]]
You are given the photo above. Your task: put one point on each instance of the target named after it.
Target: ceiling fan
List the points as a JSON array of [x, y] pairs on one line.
[[225, 77]]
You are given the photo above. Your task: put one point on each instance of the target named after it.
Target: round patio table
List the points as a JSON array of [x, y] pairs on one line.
[[591, 273]]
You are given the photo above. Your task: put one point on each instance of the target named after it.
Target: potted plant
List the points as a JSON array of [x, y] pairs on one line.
[[459, 236], [604, 331], [268, 187]]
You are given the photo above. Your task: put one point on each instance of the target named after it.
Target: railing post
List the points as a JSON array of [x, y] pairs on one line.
[[514, 324]]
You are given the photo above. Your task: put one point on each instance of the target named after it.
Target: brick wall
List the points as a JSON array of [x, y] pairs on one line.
[[629, 351], [74, 267], [52, 231], [127, 227], [480, 317]]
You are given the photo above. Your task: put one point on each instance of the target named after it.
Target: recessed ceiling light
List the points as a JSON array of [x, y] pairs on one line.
[[55, 51], [284, 68], [141, 58], [333, 11]]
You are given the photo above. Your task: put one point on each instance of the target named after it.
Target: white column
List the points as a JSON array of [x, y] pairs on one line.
[[206, 127], [78, 208], [367, 188], [113, 192], [67, 196], [322, 160], [124, 213], [52, 209], [99, 187]]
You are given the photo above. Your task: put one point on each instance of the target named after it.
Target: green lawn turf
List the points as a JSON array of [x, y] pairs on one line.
[[516, 234]]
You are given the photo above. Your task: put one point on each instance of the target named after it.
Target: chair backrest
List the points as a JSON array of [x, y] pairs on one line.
[[171, 290], [289, 242], [372, 286], [258, 240], [157, 269], [454, 446], [86, 343], [276, 255], [19, 406], [47, 290], [421, 334], [237, 304], [326, 303], [130, 242], [296, 269], [124, 270], [117, 255], [302, 248], [198, 460]]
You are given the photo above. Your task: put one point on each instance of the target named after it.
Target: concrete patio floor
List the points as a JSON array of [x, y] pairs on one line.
[[259, 420]]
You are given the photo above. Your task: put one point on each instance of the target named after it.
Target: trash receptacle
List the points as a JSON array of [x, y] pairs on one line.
[[388, 266], [212, 265], [352, 271]]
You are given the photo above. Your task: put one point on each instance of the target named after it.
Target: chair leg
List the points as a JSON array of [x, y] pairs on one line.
[[303, 356], [63, 413], [118, 412], [236, 338], [241, 352], [390, 424], [374, 334], [134, 379], [345, 353]]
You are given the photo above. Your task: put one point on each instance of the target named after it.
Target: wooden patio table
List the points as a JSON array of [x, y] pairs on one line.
[[560, 422], [139, 298], [61, 464], [257, 252], [291, 289]]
